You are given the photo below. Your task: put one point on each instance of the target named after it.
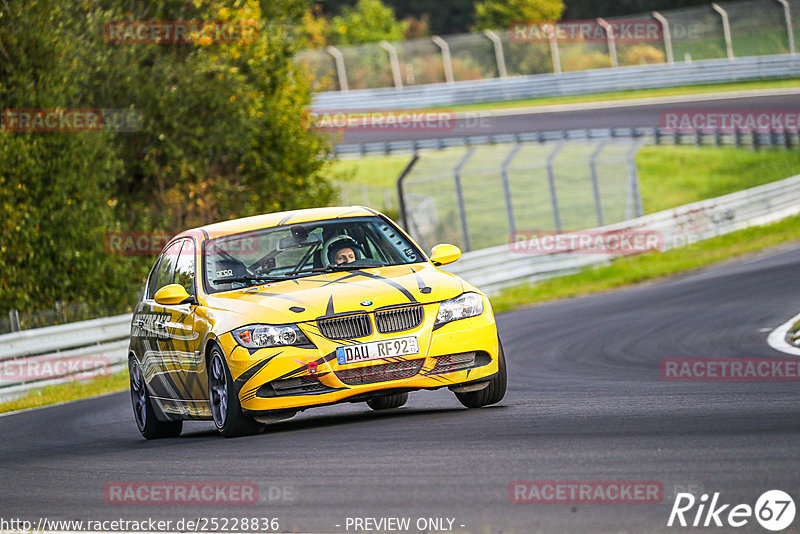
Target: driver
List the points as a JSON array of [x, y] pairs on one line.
[[344, 250], [344, 255]]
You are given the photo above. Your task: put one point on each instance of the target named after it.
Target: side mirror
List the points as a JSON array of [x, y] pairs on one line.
[[173, 294], [444, 254]]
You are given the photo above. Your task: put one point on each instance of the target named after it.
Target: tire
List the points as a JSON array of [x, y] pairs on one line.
[[491, 394], [143, 412], [387, 402], [225, 407]]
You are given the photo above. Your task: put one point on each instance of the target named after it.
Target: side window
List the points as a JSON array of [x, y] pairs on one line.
[[151, 280], [166, 267], [184, 269]]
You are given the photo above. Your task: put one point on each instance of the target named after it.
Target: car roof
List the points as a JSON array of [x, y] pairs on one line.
[[235, 226]]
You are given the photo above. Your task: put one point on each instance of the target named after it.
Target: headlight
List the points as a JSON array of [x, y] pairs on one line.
[[461, 307], [258, 336]]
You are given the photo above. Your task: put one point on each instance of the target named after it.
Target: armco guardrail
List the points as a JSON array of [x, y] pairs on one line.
[[566, 83], [497, 267], [31, 359]]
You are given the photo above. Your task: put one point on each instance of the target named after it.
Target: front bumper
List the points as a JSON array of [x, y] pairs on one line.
[[282, 379]]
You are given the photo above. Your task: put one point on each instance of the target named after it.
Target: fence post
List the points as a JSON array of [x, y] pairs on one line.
[[394, 62], [460, 195], [512, 226], [498, 53], [611, 39], [595, 184], [400, 196], [340, 70], [667, 36], [555, 54], [726, 28], [13, 319], [787, 14], [446, 62], [633, 206], [551, 181]]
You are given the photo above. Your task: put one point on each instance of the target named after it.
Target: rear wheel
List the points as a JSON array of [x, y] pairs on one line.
[[225, 407], [143, 412], [492, 393], [387, 402]]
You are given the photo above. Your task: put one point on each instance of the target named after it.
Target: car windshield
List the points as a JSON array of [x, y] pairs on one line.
[[291, 251]]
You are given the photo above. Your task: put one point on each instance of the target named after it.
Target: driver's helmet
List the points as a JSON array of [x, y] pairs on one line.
[[337, 243]]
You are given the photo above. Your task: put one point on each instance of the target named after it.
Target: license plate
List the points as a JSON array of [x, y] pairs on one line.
[[375, 350]]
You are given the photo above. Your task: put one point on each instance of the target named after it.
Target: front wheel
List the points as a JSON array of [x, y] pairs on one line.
[[225, 407], [143, 412], [387, 402], [494, 392]]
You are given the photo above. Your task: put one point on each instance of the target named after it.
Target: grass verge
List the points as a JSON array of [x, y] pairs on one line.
[[68, 391], [631, 270]]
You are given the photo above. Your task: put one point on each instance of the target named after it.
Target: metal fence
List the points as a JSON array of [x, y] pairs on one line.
[[475, 197], [494, 268], [726, 30], [475, 192], [588, 81]]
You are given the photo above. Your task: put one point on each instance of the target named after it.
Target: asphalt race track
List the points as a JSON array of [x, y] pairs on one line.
[[621, 115], [586, 402]]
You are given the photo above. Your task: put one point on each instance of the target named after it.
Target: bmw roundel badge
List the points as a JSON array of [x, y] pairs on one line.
[[366, 303]]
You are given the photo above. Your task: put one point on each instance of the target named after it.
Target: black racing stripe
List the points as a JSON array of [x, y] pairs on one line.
[[248, 374], [285, 219], [349, 213], [328, 357], [276, 295], [371, 276], [423, 287], [329, 310]]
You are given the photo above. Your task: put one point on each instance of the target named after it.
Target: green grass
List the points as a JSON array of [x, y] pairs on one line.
[[626, 95], [669, 176], [626, 271], [673, 176], [68, 391]]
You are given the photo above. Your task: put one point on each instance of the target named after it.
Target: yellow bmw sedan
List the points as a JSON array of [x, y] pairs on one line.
[[249, 321]]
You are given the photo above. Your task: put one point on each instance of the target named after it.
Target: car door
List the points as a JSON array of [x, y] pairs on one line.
[[186, 331], [150, 321]]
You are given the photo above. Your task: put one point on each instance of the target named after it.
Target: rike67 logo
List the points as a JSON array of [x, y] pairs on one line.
[[774, 510]]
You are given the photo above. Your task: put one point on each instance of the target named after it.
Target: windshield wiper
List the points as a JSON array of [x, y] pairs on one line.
[[345, 267], [253, 278]]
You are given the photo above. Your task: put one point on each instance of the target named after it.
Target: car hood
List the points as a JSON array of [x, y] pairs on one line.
[[306, 299]]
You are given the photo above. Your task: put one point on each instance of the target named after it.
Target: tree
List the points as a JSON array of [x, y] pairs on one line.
[[499, 14], [223, 135], [366, 22]]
